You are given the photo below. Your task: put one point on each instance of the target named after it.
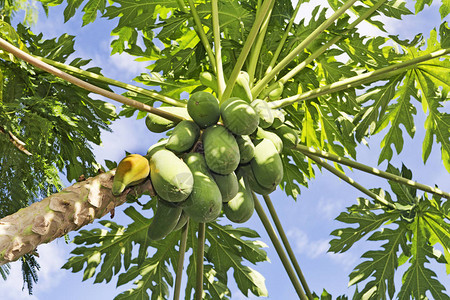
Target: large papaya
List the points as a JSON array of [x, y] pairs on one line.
[[273, 137], [133, 169], [183, 136], [164, 221], [253, 183], [241, 207], [171, 177], [221, 150], [267, 165], [241, 88], [288, 135], [204, 204], [264, 112], [182, 221], [228, 185], [204, 109], [208, 79], [239, 117], [246, 148], [156, 147], [159, 124]]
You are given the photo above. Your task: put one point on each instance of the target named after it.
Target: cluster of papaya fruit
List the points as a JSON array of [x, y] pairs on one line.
[[212, 160]]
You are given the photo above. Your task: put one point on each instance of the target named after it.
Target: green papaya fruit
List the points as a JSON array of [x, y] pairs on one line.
[[131, 170], [253, 183], [241, 88], [183, 136], [228, 185], [204, 109], [274, 138], [278, 118], [288, 135], [164, 221], [241, 207], [171, 177], [267, 165], [182, 221], [264, 112], [204, 204], [246, 148], [159, 124], [221, 150], [277, 91], [156, 147], [208, 79], [239, 117]]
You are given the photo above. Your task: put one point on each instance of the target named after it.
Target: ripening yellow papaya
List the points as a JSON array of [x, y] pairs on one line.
[[133, 169]]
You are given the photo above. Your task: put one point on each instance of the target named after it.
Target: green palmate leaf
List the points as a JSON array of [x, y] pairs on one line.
[[405, 194], [366, 220], [292, 178], [381, 264], [444, 33], [400, 113]]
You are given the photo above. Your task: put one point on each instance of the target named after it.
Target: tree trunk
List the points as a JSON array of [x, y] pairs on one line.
[[55, 216]]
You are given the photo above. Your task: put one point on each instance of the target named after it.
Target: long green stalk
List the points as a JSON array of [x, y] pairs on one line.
[[79, 72], [294, 53], [371, 170], [256, 49], [279, 248], [85, 85], [284, 38], [333, 41], [358, 80], [350, 181], [246, 48], [201, 34], [217, 48], [181, 252], [287, 245], [200, 253]]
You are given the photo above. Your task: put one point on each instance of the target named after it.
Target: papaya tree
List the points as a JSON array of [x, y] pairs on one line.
[[253, 99]]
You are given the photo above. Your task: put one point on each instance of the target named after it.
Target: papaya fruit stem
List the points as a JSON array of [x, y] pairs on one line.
[[217, 49], [246, 48], [371, 170], [180, 266], [350, 181], [279, 248], [82, 84], [200, 253], [300, 48], [287, 245], [202, 35]]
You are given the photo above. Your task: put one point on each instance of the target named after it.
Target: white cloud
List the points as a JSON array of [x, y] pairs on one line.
[[51, 258], [329, 208]]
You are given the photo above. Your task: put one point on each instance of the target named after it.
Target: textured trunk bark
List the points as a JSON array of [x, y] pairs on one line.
[[54, 216]]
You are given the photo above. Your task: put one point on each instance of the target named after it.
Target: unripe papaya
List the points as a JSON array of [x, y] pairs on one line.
[[241, 207], [171, 177], [204, 109], [241, 88], [267, 165], [221, 150], [208, 79], [164, 221], [159, 124], [277, 91], [264, 112], [239, 117], [278, 118], [133, 169], [183, 136], [156, 147], [228, 185], [253, 183], [274, 138], [204, 204], [246, 148], [182, 221], [288, 135]]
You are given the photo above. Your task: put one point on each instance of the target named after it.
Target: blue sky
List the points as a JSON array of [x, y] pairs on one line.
[[307, 221]]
